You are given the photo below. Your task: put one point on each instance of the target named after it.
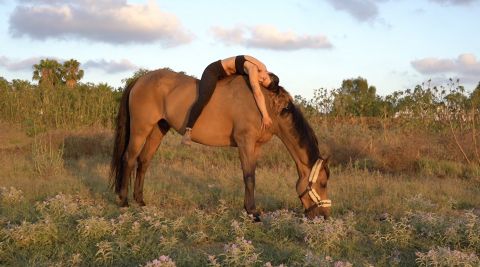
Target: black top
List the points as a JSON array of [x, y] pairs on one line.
[[239, 61]]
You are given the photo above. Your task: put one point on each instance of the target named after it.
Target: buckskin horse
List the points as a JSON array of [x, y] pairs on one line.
[[160, 100]]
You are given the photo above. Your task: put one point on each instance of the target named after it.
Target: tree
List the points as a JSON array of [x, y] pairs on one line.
[[71, 73], [306, 106], [21, 85], [48, 72], [475, 97], [357, 98], [140, 72], [4, 84], [421, 103]]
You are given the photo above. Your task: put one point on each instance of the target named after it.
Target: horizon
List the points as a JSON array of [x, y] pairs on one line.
[[394, 45]]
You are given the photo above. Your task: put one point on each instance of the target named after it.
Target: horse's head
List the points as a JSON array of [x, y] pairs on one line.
[[299, 137], [314, 197]]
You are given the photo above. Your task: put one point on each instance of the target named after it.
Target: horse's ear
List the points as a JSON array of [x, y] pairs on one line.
[[326, 161]]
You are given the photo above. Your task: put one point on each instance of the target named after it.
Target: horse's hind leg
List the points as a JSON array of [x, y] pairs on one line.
[[137, 140], [145, 157]]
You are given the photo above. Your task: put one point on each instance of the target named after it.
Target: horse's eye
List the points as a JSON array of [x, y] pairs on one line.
[[285, 110]]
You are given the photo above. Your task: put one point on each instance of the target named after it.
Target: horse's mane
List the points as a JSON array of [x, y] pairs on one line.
[[301, 128]]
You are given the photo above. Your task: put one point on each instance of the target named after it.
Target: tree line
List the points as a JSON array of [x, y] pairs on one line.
[[354, 98]]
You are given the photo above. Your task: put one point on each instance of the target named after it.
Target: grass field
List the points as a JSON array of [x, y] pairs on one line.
[[56, 208]]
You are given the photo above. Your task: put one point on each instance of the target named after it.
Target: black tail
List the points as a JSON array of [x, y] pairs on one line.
[[122, 136]]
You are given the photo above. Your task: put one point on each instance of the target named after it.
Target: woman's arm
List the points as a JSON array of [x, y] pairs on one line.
[[257, 94], [256, 62]]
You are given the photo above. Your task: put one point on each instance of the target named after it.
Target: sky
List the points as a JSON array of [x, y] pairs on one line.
[[309, 44]]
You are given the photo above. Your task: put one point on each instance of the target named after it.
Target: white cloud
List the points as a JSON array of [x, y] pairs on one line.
[[454, 2], [465, 66], [368, 10], [433, 65], [229, 36], [111, 66], [109, 21], [18, 65], [268, 37], [361, 10]]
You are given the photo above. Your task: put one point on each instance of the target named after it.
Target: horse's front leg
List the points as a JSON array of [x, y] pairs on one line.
[[248, 158]]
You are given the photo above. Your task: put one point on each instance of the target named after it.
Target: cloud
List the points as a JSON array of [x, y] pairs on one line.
[[108, 21], [111, 66], [268, 37], [466, 66], [367, 10], [18, 65], [454, 2], [361, 10], [229, 36]]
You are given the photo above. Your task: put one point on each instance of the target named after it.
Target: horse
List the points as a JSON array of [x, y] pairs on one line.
[[160, 100]]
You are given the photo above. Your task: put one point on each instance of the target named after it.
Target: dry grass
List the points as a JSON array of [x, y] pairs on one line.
[[195, 213]]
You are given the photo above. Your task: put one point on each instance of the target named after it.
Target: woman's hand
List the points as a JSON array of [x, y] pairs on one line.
[[266, 122]]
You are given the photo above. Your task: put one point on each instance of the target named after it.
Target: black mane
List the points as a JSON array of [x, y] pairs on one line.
[[305, 134], [302, 130]]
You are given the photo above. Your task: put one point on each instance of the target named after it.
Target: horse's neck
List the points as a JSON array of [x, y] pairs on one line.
[[297, 152]]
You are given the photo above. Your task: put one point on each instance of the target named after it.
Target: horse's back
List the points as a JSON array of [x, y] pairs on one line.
[[148, 97], [163, 94]]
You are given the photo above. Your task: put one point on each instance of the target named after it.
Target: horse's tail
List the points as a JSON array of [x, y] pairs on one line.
[[122, 136]]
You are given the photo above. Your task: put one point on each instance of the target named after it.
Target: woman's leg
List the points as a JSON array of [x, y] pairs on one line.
[[205, 91]]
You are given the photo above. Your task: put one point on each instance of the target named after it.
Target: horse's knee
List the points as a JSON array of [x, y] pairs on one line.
[[128, 160], [249, 178], [143, 164]]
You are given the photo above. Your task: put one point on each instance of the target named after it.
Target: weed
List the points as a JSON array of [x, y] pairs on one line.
[[326, 236], [10, 196], [47, 159], [441, 256], [94, 228], [104, 253], [394, 233], [241, 252], [162, 261]]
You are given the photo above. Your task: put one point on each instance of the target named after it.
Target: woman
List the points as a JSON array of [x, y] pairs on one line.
[[243, 65]]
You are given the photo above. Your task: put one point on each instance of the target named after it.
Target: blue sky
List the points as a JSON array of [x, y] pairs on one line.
[[309, 44]]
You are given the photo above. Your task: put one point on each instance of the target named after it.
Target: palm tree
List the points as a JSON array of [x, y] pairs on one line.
[[71, 72], [47, 72]]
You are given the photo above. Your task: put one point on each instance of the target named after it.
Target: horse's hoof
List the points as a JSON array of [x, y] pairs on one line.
[[255, 217], [139, 201], [123, 204]]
